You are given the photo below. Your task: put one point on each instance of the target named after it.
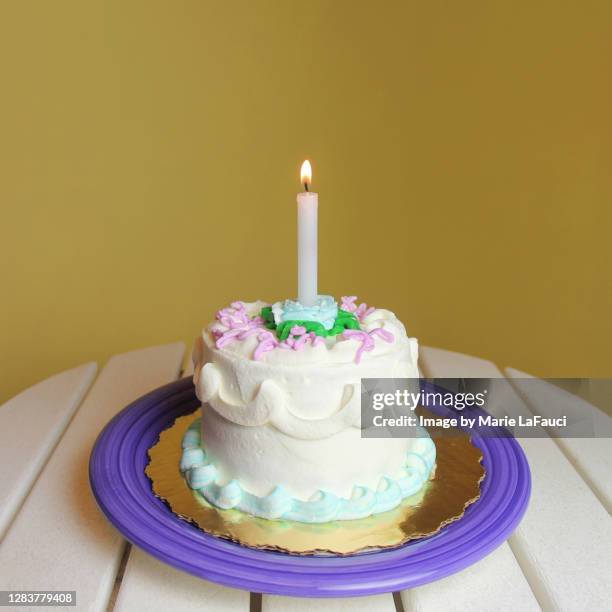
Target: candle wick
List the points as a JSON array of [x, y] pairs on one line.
[[305, 186]]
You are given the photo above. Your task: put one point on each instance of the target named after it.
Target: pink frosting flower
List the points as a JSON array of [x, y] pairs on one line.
[[347, 302], [361, 311], [366, 339], [233, 316], [298, 339], [267, 342], [315, 340]]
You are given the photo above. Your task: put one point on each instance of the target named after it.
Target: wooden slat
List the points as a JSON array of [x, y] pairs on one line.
[[149, 584], [592, 457], [564, 543], [376, 603], [494, 583], [32, 424], [188, 364], [59, 539]]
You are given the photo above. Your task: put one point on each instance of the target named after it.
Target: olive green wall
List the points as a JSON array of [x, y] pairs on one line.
[[149, 157]]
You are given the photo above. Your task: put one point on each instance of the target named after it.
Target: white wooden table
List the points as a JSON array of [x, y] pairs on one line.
[[54, 537]]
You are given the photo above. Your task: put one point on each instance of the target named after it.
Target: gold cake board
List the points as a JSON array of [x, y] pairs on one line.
[[455, 485]]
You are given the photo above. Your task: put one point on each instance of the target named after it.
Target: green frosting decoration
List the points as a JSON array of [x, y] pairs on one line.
[[344, 320], [268, 317], [283, 330]]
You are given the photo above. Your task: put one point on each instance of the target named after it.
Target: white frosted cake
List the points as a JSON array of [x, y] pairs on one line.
[[280, 435]]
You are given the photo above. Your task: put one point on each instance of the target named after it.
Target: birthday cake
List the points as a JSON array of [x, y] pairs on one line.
[[279, 433]]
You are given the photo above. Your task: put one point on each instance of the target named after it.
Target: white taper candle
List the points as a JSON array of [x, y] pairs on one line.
[[307, 203]]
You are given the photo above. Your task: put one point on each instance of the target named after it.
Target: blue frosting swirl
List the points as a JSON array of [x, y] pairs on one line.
[[201, 476], [324, 311]]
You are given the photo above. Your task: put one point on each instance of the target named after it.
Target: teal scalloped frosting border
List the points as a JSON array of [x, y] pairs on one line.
[[201, 476]]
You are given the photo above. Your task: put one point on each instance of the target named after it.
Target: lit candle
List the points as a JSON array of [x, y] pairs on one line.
[[307, 203]]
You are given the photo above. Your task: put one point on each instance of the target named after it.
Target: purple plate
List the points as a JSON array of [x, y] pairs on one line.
[[123, 493]]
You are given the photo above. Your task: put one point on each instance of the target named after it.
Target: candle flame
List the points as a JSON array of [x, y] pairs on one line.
[[306, 174]]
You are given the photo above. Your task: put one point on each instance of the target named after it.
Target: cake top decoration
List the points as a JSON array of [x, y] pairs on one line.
[[324, 311], [290, 326]]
